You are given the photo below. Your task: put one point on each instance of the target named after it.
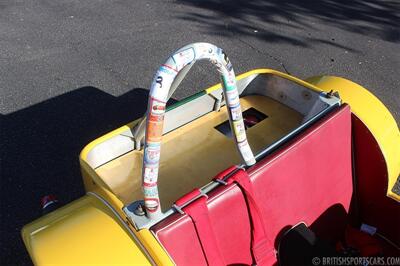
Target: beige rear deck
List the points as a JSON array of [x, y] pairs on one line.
[[194, 153]]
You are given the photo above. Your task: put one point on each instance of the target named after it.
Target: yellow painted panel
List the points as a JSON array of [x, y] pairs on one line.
[[82, 233], [156, 251], [373, 113], [146, 238]]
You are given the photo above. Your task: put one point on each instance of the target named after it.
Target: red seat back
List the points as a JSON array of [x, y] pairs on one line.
[[296, 184]]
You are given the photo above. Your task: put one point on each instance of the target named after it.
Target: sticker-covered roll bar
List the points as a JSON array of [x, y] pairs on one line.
[[159, 94]]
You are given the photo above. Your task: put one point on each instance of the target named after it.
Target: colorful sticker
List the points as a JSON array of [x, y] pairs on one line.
[[240, 131], [150, 190], [149, 185], [184, 57], [231, 81], [154, 131], [150, 174], [203, 50], [232, 98], [157, 107], [245, 151], [161, 84], [152, 153], [156, 120], [228, 87], [169, 70], [236, 113], [151, 204]]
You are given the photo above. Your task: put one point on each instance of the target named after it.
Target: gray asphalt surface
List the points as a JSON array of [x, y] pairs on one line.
[[72, 70]]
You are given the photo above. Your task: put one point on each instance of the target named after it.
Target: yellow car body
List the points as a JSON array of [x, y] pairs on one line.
[[94, 229]]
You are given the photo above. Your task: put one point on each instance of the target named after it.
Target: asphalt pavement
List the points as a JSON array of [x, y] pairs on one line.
[[73, 70]]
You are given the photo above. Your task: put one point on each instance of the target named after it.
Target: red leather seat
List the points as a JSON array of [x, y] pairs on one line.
[[297, 183]]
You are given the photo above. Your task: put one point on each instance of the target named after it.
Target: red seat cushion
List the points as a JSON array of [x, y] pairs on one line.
[[297, 183]]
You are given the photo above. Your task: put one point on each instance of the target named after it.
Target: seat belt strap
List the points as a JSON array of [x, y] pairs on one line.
[[198, 212], [261, 246]]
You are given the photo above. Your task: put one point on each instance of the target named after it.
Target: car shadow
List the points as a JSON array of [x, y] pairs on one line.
[[40, 146]]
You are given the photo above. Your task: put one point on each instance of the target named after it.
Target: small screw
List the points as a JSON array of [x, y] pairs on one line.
[[306, 95], [282, 96]]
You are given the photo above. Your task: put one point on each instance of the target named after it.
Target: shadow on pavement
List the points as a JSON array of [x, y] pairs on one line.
[[40, 149], [378, 19]]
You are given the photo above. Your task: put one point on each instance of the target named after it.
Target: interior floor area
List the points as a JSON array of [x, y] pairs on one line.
[[194, 153]]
